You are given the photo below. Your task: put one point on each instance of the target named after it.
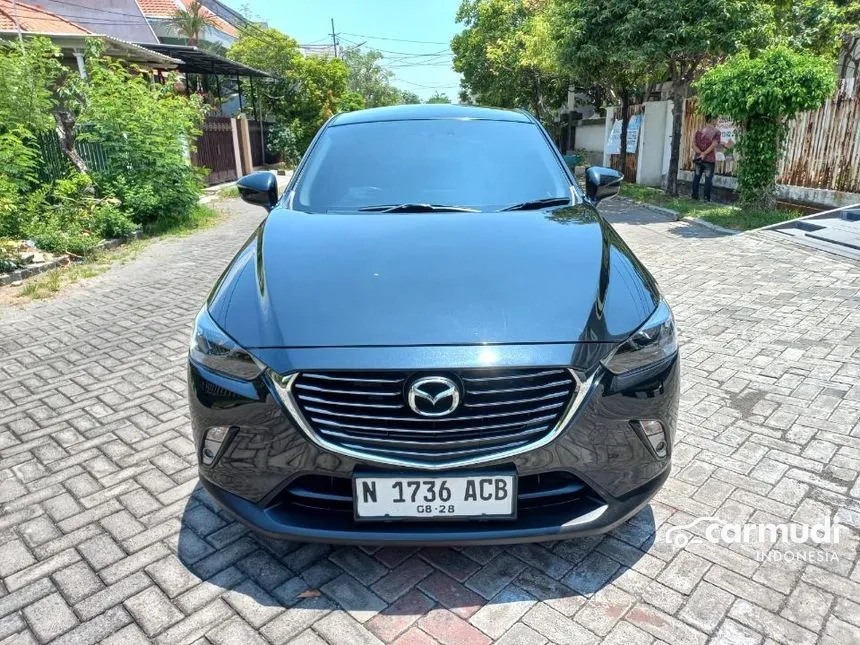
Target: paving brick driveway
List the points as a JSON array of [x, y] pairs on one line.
[[105, 535]]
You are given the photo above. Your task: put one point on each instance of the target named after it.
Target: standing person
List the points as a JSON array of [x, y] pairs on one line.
[[705, 156]]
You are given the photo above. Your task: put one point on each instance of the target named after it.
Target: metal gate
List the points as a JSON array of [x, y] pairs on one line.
[[255, 129], [215, 150]]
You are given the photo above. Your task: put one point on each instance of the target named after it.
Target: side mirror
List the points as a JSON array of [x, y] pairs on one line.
[[601, 183], [259, 188]]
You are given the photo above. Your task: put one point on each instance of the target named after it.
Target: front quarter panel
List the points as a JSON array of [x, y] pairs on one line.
[[237, 301]]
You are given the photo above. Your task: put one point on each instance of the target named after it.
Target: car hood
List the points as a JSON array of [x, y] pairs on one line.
[[433, 279]]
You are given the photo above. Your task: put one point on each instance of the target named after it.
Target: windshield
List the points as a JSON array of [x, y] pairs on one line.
[[475, 164]]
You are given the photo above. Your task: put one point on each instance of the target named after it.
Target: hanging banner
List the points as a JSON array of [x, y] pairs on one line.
[[613, 144], [728, 138]]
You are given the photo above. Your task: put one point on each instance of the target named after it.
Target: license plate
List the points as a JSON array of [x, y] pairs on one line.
[[388, 497]]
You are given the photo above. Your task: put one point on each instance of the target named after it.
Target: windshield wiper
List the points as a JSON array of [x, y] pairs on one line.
[[535, 204], [417, 208]]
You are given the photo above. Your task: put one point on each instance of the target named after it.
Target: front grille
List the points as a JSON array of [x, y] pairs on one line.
[[499, 410]]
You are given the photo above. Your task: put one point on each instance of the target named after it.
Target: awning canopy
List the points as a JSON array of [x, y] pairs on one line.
[[194, 60], [114, 47]]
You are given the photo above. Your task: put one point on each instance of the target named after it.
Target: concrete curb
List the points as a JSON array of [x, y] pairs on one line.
[[691, 220], [660, 209], [713, 227], [60, 261], [34, 269]]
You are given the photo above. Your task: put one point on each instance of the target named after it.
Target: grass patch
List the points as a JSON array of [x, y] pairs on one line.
[[51, 282], [228, 192], [727, 216], [747, 219], [199, 218]]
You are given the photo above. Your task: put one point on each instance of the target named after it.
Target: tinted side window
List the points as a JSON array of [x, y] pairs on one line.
[[461, 162]]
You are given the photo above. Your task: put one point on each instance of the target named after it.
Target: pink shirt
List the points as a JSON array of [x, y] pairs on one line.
[[704, 138]]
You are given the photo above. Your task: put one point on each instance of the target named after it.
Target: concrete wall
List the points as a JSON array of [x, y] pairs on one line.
[[589, 136], [652, 167], [121, 19], [656, 129], [795, 194], [607, 129]]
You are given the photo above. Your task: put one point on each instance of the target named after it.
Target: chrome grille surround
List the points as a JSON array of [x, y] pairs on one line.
[[363, 415]]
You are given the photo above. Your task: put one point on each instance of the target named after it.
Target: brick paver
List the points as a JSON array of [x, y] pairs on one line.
[[105, 535]]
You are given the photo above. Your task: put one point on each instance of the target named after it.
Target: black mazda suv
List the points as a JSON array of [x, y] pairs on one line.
[[433, 338]]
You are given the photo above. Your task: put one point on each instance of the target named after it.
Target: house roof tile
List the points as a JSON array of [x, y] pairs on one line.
[[166, 9], [34, 19]]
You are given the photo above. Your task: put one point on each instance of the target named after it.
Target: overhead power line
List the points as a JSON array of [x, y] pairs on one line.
[[399, 40], [441, 52], [426, 87]]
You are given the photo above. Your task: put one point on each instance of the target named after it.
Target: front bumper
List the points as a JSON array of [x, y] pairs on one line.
[[267, 452], [579, 520]]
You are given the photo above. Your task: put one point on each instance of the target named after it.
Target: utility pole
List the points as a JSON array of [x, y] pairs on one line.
[[18, 24], [333, 38]]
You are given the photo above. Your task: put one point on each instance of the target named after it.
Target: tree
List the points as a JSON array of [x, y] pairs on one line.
[[350, 101], [592, 44], [407, 97], [761, 94], [369, 78], [26, 102], [27, 76], [272, 51], [438, 97], [686, 37], [498, 55], [303, 92], [40, 94], [191, 22], [813, 26], [143, 128], [849, 14]]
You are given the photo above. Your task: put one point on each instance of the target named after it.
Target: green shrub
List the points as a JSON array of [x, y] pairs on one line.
[[8, 207], [760, 94], [70, 219], [109, 221], [283, 139], [18, 157], [51, 235], [28, 80], [144, 129], [147, 201]]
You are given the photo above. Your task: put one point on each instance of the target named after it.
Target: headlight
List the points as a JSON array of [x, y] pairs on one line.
[[214, 349], [652, 342]]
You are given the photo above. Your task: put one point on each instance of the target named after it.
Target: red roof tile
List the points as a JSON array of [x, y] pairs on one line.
[[158, 8], [166, 9], [34, 19]]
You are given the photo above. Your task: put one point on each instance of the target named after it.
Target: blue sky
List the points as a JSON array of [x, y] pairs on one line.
[[422, 67]]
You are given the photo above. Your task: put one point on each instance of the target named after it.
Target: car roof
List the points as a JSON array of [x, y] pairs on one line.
[[429, 111]]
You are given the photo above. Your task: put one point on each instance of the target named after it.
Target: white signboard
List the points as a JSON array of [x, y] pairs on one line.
[[613, 145], [728, 139]]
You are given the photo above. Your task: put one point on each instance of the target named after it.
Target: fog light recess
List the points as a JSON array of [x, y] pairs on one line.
[[654, 434], [213, 441]]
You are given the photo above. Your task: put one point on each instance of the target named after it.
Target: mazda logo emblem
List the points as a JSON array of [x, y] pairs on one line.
[[433, 396]]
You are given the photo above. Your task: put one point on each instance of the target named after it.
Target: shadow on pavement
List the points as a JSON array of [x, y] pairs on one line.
[[276, 573], [697, 231], [636, 215]]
